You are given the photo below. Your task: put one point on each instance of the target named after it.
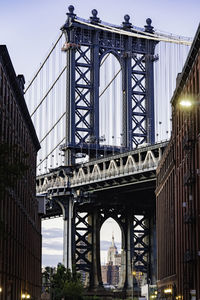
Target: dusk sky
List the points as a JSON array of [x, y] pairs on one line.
[[28, 29]]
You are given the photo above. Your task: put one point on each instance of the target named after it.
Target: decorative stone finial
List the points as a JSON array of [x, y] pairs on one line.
[[148, 27], [94, 18], [71, 9], [71, 12], [126, 24]]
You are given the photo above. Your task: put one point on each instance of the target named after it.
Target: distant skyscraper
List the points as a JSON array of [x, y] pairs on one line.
[[111, 271]]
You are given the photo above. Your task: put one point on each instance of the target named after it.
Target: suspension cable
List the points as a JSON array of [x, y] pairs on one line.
[[144, 35], [110, 82], [65, 111], [104, 59], [50, 152], [48, 91], [42, 65], [52, 127]]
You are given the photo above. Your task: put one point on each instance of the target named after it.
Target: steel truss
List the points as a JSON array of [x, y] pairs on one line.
[[135, 238], [83, 242], [141, 238], [86, 47]]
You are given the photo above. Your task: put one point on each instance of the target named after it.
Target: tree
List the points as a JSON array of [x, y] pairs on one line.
[[47, 278], [12, 165], [66, 284], [12, 168]]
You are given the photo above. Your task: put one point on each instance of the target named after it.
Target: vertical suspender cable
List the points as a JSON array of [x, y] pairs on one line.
[[46, 114]]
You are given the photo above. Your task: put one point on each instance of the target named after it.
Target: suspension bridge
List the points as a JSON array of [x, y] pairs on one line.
[[100, 103]]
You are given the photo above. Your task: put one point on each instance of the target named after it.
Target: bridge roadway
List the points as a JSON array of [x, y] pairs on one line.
[[121, 186], [130, 170]]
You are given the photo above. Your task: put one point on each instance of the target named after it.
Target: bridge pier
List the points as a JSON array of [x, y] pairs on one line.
[[129, 259], [124, 191], [135, 254], [95, 277]]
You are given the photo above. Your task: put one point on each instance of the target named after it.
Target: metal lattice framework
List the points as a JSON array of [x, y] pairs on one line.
[[83, 243], [141, 243], [85, 49], [135, 166]]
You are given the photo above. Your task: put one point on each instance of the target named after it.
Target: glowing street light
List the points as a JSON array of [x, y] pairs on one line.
[[134, 273], [0, 289], [26, 296], [186, 103], [168, 291]]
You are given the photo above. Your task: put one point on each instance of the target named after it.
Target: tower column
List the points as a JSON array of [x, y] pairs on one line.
[[94, 239], [67, 210], [126, 281], [129, 259], [149, 62]]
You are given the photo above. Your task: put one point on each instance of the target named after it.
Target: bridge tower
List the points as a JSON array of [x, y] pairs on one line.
[[87, 44]]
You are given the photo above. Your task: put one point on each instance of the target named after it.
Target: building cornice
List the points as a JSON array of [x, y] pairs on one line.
[[19, 97], [183, 76]]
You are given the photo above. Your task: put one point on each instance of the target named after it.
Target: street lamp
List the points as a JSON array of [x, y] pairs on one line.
[[26, 296], [188, 102], [168, 291], [185, 103]]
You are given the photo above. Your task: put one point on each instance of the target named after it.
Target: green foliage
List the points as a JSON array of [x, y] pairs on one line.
[[12, 168], [12, 165], [47, 278], [66, 284], [73, 290]]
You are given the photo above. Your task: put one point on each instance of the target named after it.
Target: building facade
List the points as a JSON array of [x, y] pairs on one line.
[[20, 223], [178, 190]]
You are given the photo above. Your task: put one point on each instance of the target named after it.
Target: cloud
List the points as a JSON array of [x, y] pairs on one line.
[[56, 246], [106, 244], [52, 246], [52, 233], [50, 251], [51, 260]]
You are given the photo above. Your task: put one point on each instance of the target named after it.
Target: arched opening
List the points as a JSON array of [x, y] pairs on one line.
[[110, 101], [110, 247]]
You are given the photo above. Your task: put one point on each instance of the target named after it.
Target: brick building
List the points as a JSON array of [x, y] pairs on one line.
[[20, 224], [178, 190]]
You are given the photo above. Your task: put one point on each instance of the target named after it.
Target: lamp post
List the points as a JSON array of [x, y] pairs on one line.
[[187, 103]]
